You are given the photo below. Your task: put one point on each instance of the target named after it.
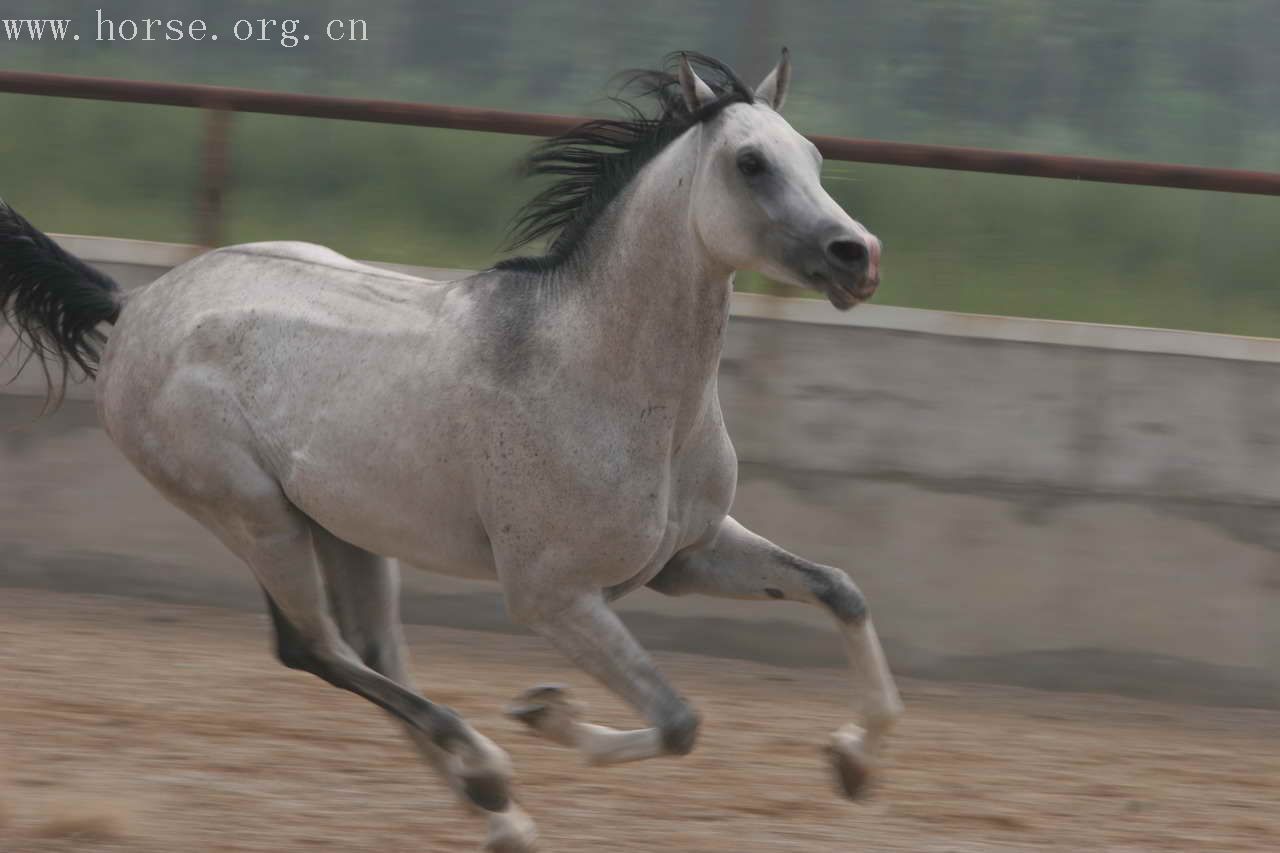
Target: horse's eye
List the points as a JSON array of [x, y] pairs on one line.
[[750, 164]]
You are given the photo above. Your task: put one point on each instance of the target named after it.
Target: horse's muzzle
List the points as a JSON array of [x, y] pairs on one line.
[[850, 270]]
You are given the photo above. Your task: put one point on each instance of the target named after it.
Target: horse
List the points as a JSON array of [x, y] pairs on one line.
[[551, 423]]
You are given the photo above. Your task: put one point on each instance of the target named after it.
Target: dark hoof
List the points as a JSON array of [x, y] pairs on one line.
[[545, 693], [488, 791], [853, 776], [535, 702], [548, 711], [529, 714], [849, 760]]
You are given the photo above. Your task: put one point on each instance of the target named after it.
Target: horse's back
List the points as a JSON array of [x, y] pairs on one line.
[[292, 318], [280, 277], [293, 291], [316, 256]]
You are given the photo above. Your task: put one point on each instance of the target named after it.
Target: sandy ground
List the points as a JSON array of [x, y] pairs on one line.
[[136, 726]]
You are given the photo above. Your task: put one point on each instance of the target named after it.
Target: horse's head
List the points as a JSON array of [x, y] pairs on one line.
[[758, 202]]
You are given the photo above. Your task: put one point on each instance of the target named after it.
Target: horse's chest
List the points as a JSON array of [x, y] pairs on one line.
[[700, 486], [606, 490], [703, 484]]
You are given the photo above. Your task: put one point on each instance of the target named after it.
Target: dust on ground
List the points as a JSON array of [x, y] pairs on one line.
[[140, 726]]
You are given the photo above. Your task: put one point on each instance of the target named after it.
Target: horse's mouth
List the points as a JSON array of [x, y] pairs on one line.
[[845, 296]]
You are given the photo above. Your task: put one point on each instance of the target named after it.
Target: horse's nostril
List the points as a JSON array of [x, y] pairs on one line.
[[848, 252]]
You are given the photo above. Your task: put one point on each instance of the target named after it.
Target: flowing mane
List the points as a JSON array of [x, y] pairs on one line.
[[596, 160]]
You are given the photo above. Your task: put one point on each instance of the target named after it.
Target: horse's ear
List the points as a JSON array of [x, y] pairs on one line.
[[697, 94], [773, 91]]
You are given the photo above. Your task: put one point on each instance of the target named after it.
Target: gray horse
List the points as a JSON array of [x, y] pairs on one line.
[[552, 423]]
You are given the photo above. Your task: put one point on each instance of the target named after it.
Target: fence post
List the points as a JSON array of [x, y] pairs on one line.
[[215, 167]]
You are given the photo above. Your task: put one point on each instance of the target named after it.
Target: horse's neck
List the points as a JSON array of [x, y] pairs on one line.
[[657, 303]]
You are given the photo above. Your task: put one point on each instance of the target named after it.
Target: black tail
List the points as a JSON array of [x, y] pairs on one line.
[[53, 301]]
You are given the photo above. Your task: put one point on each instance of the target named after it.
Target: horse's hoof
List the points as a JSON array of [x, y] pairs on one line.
[[849, 759], [549, 712], [538, 701], [511, 831]]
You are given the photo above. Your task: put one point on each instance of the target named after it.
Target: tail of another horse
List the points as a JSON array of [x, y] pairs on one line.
[[53, 301]]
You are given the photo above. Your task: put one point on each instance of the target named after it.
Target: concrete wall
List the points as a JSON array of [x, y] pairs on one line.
[[1051, 504]]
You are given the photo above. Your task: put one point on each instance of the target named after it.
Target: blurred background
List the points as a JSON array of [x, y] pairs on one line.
[[1067, 532], [1170, 80]]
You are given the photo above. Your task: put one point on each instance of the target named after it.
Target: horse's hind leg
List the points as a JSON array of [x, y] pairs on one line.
[[364, 594], [244, 506]]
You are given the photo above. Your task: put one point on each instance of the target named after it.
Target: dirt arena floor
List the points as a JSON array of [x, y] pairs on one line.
[[136, 726]]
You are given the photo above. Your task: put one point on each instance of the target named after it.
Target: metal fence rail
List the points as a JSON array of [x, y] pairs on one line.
[[223, 100]]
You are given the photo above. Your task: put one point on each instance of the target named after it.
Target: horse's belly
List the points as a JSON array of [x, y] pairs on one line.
[[445, 545], [422, 519]]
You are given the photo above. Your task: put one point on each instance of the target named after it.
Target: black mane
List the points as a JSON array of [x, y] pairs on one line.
[[595, 160]]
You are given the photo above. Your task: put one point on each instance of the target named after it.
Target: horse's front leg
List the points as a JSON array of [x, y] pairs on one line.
[[737, 563], [581, 625]]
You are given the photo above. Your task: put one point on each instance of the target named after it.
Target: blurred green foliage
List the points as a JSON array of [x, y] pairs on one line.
[[1180, 80]]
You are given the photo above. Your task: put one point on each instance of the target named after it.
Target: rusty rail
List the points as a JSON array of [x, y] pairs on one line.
[[284, 103], [225, 100], [538, 124]]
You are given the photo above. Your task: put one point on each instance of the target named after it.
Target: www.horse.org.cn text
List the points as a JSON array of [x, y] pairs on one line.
[[286, 32]]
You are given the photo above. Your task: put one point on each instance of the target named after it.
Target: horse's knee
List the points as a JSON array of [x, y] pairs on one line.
[[843, 598], [837, 592], [680, 731]]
